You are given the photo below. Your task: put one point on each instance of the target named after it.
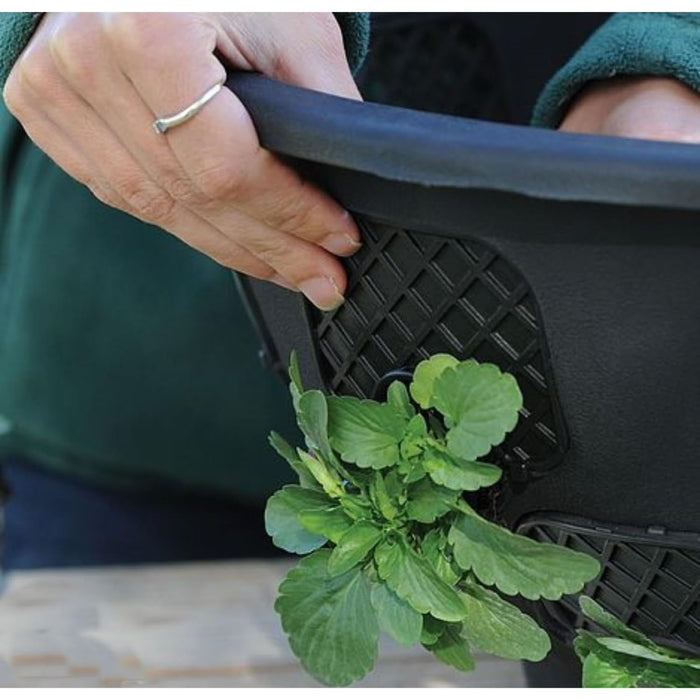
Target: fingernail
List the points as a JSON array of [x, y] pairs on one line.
[[322, 292], [340, 244]]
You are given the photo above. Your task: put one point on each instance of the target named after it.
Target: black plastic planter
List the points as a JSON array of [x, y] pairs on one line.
[[571, 261]]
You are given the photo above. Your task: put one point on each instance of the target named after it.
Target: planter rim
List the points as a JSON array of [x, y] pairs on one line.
[[435, 150]]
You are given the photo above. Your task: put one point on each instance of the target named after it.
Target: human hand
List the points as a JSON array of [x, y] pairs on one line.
[[656, 108], [89, 85]]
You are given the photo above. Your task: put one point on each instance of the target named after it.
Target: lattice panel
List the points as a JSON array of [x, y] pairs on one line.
[[444, 65], [649, 581], [411, 295]]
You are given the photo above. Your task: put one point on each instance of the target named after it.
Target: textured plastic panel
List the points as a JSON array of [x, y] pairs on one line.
[[650, 578], [412, 294]]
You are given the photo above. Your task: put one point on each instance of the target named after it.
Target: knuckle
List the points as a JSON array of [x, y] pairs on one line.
[[274, 248], [182, 189], [131, 32], [12, 94], [220, 181], [33, 72], [294, 219], [146, 200], [74, 48]]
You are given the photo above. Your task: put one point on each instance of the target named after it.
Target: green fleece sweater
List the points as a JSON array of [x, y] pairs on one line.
[[629, 43], [126, 357]]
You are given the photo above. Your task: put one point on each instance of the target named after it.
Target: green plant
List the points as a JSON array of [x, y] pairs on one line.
[[391, 541], [624, 658]]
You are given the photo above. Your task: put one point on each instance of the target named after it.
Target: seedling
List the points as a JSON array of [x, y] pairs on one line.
[[381, 511]]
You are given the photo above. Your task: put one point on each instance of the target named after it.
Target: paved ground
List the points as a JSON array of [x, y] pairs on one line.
[[204, 625]]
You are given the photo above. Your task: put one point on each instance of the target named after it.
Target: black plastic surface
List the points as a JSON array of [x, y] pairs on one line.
[[650, 578], [590, 246]]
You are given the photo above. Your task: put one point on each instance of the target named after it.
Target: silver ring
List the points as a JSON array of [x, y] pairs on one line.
[[162, 124]]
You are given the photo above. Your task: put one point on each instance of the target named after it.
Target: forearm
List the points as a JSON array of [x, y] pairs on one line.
[[628, 44]]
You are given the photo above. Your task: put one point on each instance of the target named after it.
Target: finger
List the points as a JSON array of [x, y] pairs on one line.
[[218, 148], [314, 272]]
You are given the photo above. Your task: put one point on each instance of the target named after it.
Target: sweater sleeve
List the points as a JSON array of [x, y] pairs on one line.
[[629, 43], [16, 28], [355, 29]]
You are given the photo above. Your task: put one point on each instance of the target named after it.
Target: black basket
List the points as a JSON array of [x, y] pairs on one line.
[[570, 261]]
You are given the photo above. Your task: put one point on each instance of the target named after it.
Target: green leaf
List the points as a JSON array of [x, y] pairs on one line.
[[356, 506], [497, 627], [517, 564], [432, 546], [604, 668], [365, 432], [452, 649], [287, 452], [595, 612], [397, 396], [330, 621], [396, 616], [282, 521], [357, 542], [331, 522], [296, 388], [458, 474], [414, 439], [395, 488], [624, 646], [380, 497], [432, 629], [427, 501], [330, 482], [605, 673], [411, 470], [425, 375], [412, 578], [312, 417], [481, 405]]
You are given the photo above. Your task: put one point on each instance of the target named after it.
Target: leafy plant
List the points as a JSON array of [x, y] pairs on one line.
[[625, 658], [392, 543]]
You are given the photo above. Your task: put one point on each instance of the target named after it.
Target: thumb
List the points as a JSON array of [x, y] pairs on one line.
[[304, 49]]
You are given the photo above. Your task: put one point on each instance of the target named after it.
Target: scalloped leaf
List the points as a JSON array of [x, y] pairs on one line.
[[412, 578], [517, 564], [458, 474], [396, 616], [365, 432], [498, 627], [282, 521], [425, 375], [480, 404], [353, 547], [331, 624]]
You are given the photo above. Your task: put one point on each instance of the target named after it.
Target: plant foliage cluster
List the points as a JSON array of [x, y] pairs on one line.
[[392, 544], [390, 539]]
